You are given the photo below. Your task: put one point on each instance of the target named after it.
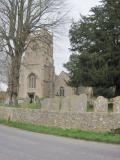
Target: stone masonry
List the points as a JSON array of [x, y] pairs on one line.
[[99, 122], [38, 62], [69, 112]]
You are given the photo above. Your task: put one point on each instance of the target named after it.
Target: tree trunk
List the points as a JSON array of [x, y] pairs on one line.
[[13, 85], [117, 90]]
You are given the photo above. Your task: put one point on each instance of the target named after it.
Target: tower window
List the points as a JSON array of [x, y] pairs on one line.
[[62, 91], [32, 81]]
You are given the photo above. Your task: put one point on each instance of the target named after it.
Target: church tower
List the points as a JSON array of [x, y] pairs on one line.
[[37, 69]]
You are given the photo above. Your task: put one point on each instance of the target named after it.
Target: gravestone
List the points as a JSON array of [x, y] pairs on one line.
[[74, 103], [78, 103], [46, 105], [56, 106], [65, 104], [50, 105], [101, 104], [116, 104]]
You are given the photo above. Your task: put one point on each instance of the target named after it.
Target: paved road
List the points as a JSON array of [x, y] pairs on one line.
[[16, 144]]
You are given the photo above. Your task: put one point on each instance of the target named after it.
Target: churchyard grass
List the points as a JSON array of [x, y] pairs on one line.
[[31, 106], [90, 108], [72, 133], [27, 105]]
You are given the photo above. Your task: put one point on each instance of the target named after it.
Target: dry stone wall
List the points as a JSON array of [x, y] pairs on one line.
[[100, 122], [69, 112]]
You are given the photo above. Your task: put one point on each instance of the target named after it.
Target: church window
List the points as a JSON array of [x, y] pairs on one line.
[[62, 91], [32, 81]]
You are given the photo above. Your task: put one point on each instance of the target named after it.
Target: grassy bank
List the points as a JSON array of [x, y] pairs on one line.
[[73, 133]]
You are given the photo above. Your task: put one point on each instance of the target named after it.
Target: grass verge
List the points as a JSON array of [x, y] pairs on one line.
[[73, 133]]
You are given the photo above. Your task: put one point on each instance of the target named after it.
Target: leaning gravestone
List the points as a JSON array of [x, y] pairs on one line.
[[116, 104], [101, 104]]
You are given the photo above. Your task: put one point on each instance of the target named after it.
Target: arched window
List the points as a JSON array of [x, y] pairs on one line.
[[62, 91], [32, 81]]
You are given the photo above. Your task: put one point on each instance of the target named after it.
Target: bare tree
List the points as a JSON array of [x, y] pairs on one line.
[[4, 62], [18, 20]]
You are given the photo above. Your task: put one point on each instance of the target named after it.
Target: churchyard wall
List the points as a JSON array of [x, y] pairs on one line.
[[69, 112]]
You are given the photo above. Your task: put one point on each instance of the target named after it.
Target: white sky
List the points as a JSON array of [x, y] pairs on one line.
[[62, 45]]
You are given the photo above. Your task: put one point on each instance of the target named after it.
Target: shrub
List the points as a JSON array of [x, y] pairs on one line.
[[105, 92]]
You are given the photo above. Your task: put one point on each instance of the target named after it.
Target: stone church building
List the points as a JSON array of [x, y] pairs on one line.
[[61, 87], [37, 74]]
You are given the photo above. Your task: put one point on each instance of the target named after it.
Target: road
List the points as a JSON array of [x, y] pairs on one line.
[[16, 144]]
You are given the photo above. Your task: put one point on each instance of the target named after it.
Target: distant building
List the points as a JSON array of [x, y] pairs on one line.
[[61, 87]]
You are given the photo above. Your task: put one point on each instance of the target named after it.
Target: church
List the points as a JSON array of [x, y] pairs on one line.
[[37, 73]]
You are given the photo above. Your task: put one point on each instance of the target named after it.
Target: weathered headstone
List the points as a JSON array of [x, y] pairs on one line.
[[46, 105], [78, 103], [50, 105], [65, 104], [89, 92], [101, 104], [116, 104], [56, 104], [74, 103]]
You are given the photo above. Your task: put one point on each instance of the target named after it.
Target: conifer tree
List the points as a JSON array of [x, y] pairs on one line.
[[95, 43]]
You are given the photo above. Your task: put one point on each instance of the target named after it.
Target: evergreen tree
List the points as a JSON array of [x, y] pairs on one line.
[[96, 39]]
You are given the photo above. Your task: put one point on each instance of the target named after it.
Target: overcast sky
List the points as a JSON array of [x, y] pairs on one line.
[[61, 45]]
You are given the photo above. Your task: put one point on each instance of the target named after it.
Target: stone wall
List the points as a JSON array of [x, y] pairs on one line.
[[69, 112], [99, 122]]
